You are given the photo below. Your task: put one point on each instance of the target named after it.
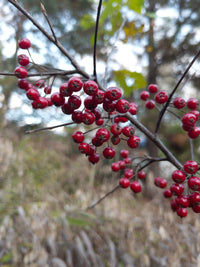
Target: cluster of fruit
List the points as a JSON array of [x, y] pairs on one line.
[[87, 104]]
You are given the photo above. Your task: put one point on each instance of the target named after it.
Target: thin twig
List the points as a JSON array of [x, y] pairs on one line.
[[48, 21], [173, 92], [103, 197], [191, 148], [95, 39], [48, 128], [50, 73]]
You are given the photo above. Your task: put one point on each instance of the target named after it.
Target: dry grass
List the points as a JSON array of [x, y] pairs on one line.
[[45, 190]]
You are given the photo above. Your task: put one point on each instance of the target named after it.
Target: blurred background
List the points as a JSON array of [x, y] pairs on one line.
[[44, 220]]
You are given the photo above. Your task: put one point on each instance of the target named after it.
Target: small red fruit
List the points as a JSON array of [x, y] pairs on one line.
[[90, 87], [160, 182], [144, 95], [136, 187], [190, 166], [23, 60], [133, 141], [21, 72], [57, 99], [75, 84], [150, 104], [124, 182], [24, 43], [109, 152], [122, 106], [78, 136], [161, 97], [124, 153], [153, 88]]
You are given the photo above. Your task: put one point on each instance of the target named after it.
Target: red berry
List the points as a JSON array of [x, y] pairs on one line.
[[136, 187], [133, 108], [194, 199], [153, 88], [192, 103], [74, 102], [133, 141], [178, 176], [96, 142], [182, 212], [65, 90], [182, 201], [32, 94], [160, 182], [41, 103], [108, 105], [24, 43], [57, 99], [194, 133], [75, 84], [109, 152], [97, 113], [23, 84], [99, 122], [196, 113], [40, 83], [115, 166], [196, 208], [21, 72], [127, 161], [161, 97], [113, 93], [88, 118], [194, 183], [144, 95], [179, 102], [77, 116], [174, 206], [189, 119], [99, 97], [47, 90], [141, 175], [89, 103], [66, 109], [116, 129], [122, 106], [190, 166], [167, 193], [128, 173], [78, 136], [124, 153], [124, 182], [177, 189], [94, 158], [90, 87], [84, 148], [23, 60], [150, 104], [122, 164], [115, 139], [128, 131], [103, 134]]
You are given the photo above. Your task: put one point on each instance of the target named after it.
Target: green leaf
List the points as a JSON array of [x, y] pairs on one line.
[[79, 222], [135, 5], [87, 22], [129, 81], [7, 258]]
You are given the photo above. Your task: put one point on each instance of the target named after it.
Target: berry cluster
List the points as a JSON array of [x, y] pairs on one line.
[[103, 113]]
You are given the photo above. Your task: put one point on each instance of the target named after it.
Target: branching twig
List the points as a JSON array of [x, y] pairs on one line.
[[46, 17], [50, 73], [173, 92], [48, 128]]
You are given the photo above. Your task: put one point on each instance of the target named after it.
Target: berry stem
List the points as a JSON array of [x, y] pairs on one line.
[[49, 128]]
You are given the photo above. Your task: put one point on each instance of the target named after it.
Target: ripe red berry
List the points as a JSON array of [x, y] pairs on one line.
[[124, 153], [153, 88], [40, 83], [84, 148], [74, 102], [160, 182], [136, 187], [113, 93], [66, 109], [144, 95], [47, 90], [99, 97], [178, 176], [128, 131], [133, 108], [133, 141], [109, 152], [77, 116], [141, 175], [122, 106], [182, 201], [189, 119], [161, 97], [88, 118], [194, 198], [116, 129], [124, 182], [174, 206], [41, 103], [127, 160], [57, 99], [65, 90], [190, 166], [99, 122], [89, 103], [179, 102], [196, 113], [194, 183], [192, 103], [94, 158], [177, 189], [150, 104], [23, 60], [24, 43], [115, 166], [103, 134], [21, 72], [182, 212], [109, 105], [32, 94], [167, 193], [90, 87], [196, 208], [122, 164], [75, 84], [115, 139], [78, 136], [194, 133], [128, 173], [23, 84]]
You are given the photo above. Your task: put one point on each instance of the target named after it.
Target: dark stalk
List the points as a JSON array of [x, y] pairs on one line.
[[49, 128]]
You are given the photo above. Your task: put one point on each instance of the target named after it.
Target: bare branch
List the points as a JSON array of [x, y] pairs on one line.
[[49, 128], [46, 17]]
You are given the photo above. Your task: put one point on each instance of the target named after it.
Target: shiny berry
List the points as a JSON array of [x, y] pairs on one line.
[[178, 176], [190, 166], [75, 84], [24, 43], [113, 93], [109, 152], [65, 90], [90, 87], [124, 182], [161, 97], [133, 141], [179, 102], [135, 186], [160, 182], [150, 104], [124, 153], [122, 106], [78, 136], [21, 72], [57, 99], [23, 60], [144, 95], [192, 103], [153, 88]]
